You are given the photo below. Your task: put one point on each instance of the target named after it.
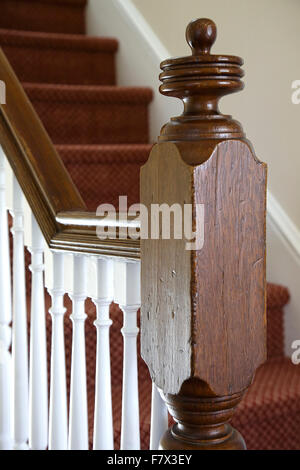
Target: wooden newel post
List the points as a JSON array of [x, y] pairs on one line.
[[203, 303]]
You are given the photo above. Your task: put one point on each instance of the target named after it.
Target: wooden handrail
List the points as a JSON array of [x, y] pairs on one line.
[[44, 179]]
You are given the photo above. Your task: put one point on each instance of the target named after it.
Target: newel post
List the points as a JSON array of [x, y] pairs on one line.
[[203, 321]]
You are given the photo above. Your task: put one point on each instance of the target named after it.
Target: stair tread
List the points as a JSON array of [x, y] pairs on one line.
[[63, 16], [277, 381], [90, 154], [278, 296], [89, 114], [41, 40], [103, 172], [66, 2], [88, 93], [54, 58]]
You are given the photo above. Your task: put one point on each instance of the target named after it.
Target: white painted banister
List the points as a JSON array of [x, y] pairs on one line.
[[38, 380], [101, 273], [78, 425], [80, 275], [5, 318], [19, 339], [127, 295], [58, 419], [159, 418]]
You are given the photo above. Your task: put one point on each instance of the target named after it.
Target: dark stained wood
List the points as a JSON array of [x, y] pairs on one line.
[[229, 272], [225, 279], [203, 420], [200, 80], [43, 177], [85, 240]]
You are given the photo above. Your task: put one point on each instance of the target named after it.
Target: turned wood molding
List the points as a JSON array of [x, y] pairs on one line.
[[51, 194], [203, 312]]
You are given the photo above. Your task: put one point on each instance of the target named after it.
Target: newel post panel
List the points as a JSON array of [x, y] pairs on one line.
[[203, 326]]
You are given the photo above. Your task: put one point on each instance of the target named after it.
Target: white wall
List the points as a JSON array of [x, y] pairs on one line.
[[137, 63], [265, 34]]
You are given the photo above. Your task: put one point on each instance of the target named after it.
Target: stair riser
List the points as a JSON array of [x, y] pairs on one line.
[[59, 66], [88, 123], [30, 15], [104, 182]]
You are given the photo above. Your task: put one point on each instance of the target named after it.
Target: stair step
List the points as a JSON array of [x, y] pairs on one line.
[[102, 173], [60, 58], [57, 16], [92, 114]]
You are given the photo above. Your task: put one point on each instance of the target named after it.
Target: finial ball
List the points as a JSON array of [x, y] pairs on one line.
[[200, 35]]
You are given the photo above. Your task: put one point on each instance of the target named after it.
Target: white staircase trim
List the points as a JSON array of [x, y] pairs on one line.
[[284, 224]]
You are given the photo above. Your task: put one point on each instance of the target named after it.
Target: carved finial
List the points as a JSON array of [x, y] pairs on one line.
[[200, 80], [201, 35]]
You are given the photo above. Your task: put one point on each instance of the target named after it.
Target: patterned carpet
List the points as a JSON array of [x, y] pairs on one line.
[[101, 133]]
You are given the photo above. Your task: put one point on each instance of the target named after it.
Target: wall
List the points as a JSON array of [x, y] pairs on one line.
[[266, 34], [137, 63], [267, 38]]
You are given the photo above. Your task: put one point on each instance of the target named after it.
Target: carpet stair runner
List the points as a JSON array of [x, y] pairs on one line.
[[98, 166], [74, 59], [101, 132], [55, 16], [75, 114]]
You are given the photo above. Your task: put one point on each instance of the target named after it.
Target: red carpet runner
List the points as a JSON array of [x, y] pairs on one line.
[[101, 133]]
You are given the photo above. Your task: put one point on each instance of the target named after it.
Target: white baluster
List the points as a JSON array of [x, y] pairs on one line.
[[78, 426], [127, 295], [38, 380], [5, 318], [159, 418], [102, 298], [19, 340], [58, 419]]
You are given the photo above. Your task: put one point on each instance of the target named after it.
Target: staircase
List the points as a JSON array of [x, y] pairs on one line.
[[101, 133], [71, 81]]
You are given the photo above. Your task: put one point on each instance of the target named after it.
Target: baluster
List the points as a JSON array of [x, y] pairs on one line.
[[102, 298], [58, 419], [127, 295], [38, 382], [159, 418], [78, 426], [19, 339], [5, 318]]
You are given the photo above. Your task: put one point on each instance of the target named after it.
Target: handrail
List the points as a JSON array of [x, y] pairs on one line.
[[44, 179], [90, 219]]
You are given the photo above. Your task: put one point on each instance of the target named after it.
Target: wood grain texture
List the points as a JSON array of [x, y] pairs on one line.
[[229, 328], [203, 420], [166, 274], [227, 274], [218, 292]]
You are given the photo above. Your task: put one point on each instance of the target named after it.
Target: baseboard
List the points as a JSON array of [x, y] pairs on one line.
[[139, 57]]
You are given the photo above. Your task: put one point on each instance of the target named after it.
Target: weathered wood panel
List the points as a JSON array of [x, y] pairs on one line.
[[229, 272], [203, 311], [166, 275]]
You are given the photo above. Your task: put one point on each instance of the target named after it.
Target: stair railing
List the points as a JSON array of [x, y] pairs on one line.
[[203, 309], [51, 220]]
